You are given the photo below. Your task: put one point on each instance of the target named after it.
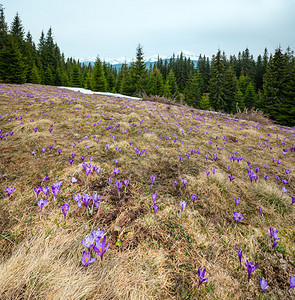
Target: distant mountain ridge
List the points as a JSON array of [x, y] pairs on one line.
[[118, 62]]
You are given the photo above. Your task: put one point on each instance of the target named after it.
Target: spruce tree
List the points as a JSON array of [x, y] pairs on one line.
[[278, 103], [238, 102], [250, 96], [216, 83], [155, 83], [34, 76], [3, 28], [12, 66], [139, 72], [99, 82], [76, 76], [205, 102], [194, 90], [230, 89], [17, 30], [171, 88]]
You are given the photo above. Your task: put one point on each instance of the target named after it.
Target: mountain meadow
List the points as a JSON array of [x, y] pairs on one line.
[[116, 198]]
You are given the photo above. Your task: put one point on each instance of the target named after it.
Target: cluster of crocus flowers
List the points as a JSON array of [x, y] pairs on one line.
[[86, 198], [238, 216], [155, 206], [273, 236], [96, 241]]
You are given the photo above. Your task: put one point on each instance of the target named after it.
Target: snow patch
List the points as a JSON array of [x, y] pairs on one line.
[[85, 91]]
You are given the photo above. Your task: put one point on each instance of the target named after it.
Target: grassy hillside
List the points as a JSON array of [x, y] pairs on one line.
[[48, 133]]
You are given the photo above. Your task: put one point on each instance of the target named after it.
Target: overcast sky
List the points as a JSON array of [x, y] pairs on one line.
[[114, 28]]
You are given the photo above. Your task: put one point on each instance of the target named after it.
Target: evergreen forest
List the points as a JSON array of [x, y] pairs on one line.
[[227, 84]]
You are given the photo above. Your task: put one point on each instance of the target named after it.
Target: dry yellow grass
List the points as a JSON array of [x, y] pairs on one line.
[[160, 253]]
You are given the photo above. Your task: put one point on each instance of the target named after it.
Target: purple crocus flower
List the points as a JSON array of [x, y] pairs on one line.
[[100, 247], [292, 282], [153, 179], [45, 190], [237, 201], [110, 179], [238, 216], [37, 190], [96, 199], [119, 184], [184, 181], [201, 274], [240, 253], [207, 172], [55, 188], [263, 284], [98, 171], [231, 177], [154, 197], [86, 199], [261, 212], [250, 268], [116, 171], [98, 234], [77, 198], [65, 209], [182, 205], [175, 182], [126, 181], [74, 180], [194, 197], [10, 190], [293, 200], [285, 190], [86, 259], [155, 207], [88, 171], [89, 241], [42, 203]]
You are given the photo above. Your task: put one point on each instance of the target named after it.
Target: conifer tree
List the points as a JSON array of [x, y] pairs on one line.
[[88, 79], [250, 96], [138, 72], [194, 89], [3, 28], [216, 84], [76, 76], [99, 82], [34, 75], [205, 102], [230, 89], [278, 103], [171, 88], [238, 102], [12, 66], [155, 83], [17, 30]]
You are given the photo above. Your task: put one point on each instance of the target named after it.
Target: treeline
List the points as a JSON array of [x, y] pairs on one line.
[[227, 84]]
